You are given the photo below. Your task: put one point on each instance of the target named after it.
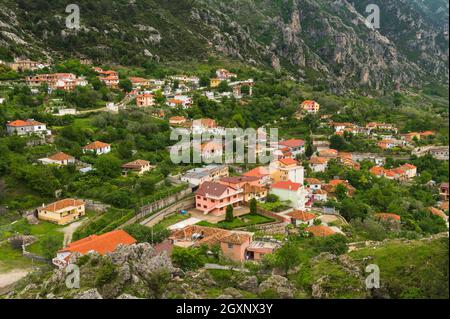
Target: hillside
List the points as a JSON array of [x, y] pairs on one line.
[[318, 41]]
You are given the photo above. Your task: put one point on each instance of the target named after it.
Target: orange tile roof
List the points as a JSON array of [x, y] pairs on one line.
[[320, 230], [96, 145], [377, 170], [292, 143], [287, 185], [61, 157], [388, 216], [328, 153], [236, 239], [62, 204], [257, 172], [438, 212], [336, 182], [102, 244], [318, 160], [177, 118], [313, 181], [408, 166], [20, 123], [138, 164], [288, 161], [301, 215]]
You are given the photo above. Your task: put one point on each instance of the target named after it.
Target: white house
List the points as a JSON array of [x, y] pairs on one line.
[[296, 146], [295, 193], [27, 127], [60, 158], [97, 147]]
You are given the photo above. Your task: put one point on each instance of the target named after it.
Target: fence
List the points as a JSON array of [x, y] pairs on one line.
[[144, 211]]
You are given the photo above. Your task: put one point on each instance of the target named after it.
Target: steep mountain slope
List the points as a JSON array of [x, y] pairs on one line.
[[317, 40]]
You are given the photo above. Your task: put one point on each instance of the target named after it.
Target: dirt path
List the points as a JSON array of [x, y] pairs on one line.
[[11, 277], [69, 230]]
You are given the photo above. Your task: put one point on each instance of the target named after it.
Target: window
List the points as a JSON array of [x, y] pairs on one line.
[[230, 246]]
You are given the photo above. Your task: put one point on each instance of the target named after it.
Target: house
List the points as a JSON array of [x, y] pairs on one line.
[[438, 152], [139, 83], [333, 184], [386, 144], [299, 217], [320, 231], [410, 170], [260, 172], [254, 192], [213, 198], [404, 172], [139, 167], [97, 147], [181, 101], [204, 124], [388, 217], [198, 176], [444, 192], [62, 212], [100, 244], [318, 164], [145, 99], [320, 195], [56, 81], [177, 120], [111, 81], [329, 153], [310, 106], [313, 183], [25, 65], [27, 127], [224, 74], [233, 244], [371, 126], [258, 249], [214, 83], [292, 192], [410, 137], [341, 127], [427, 134], [240, 181], [287, 169], [296, 146], [60, 158]]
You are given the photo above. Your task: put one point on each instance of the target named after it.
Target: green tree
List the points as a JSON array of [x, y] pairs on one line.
[[50, 245], [108, 166], [187, 258], [253, 206], [229, 217], [126, 85], [287, 257]]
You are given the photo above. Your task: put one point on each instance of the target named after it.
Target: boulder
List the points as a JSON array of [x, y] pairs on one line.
[[249, 284], [278, 284]]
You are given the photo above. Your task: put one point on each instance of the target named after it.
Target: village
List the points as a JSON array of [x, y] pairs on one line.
[[245, 211]]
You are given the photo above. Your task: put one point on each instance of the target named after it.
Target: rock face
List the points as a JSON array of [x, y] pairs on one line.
[[325, 41], [89, 294]]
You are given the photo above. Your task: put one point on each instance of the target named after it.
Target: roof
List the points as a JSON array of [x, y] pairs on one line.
[[377, 170], [318, 160], [388, 216], [239, 179], [260, 172], [210, 123], [20, 123], [313, 181], [101, 244], [408, 166], [329, 152], [320, 230], [61, 157], [336, 182], [96, 145], [288, 161], [62, 204], [438, 212], [309, 103], [287, 185], [177, 118], [301, 215], [292, 143], [210, 235], [212, 188], [136, 164]]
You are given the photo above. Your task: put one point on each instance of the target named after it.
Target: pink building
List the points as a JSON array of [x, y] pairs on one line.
[[213, 198]]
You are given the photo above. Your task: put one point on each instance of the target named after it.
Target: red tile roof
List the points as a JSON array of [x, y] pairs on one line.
[[288, 161], [287, 185], [239, 179], [96, 145], [292, 143], [102, 244], [257, 172], [62, 204], [20, 123], [318, 160], [388, 216], [313, 181], [212, 188], [61, 157], [138, 164], [301, 215]]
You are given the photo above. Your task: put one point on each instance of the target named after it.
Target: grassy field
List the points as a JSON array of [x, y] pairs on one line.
[[172, 220], [240, 222]]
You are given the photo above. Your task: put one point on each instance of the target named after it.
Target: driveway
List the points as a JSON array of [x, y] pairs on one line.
[[69, 230]]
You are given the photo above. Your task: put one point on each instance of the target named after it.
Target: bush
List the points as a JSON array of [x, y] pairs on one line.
[[187, 258], [50, 245], [106, 273]]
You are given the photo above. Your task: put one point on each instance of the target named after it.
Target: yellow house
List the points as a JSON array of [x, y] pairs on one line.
[[215, 82], [62, 212]]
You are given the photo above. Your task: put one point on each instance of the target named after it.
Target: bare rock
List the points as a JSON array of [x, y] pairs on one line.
[[278, 284], [89, 294], [249, 284]]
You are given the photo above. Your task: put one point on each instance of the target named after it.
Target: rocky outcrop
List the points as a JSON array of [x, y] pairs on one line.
[[278, 284]]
